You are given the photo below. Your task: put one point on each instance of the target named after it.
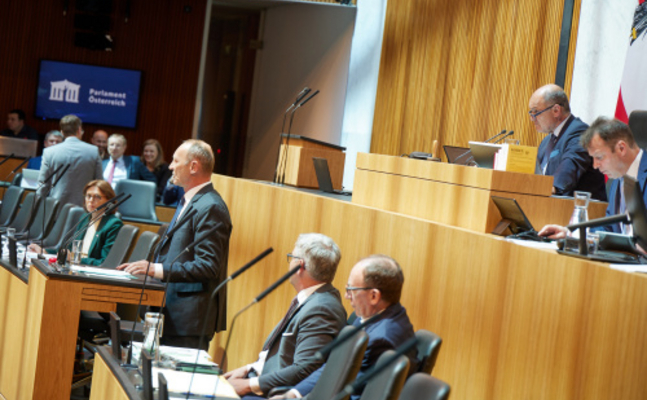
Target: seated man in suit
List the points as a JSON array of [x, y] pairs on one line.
[[374, 287], [560, 153], [16, 127], [314, 318], [118, 166], [616, 154]]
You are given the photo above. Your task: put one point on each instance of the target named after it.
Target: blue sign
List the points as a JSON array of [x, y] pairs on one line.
[[98, 95]]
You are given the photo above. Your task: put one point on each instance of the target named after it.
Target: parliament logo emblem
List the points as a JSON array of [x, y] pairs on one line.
[[64, 91]]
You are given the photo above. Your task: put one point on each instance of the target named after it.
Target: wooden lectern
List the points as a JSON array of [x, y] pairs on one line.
[[295, 161]]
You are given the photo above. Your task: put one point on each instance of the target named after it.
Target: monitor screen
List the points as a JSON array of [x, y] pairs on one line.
[[97, 95]]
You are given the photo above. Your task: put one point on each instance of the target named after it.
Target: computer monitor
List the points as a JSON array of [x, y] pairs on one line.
[[513, 215], [458, 155], [484, 153]]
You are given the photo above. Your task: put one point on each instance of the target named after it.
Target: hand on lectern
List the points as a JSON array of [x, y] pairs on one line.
[[553, 231]]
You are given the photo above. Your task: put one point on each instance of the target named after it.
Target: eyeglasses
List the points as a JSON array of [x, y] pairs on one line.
[[89, 197], [293, 257], [534, 115], [350, 289]]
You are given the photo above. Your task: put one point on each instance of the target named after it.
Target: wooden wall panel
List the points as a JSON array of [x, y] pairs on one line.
[[160, 38], [463, 70]]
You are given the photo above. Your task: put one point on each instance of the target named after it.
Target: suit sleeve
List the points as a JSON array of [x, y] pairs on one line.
[[44, 171], [210, 252], [317, 329], [107, 238], [305, 386], [574, 163], [98, 167]]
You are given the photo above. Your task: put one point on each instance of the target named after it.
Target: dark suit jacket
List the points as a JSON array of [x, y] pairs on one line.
[[134, 169], [197, 273], [570, 164], [388, 332], [315, 323], [613, 194]]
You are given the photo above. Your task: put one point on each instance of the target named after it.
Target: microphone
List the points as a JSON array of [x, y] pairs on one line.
[[177, 225], [104, 205], [4, 160], [495, 136], [300, 96], [351, 388], [504, 136], [25, 161], [61, 175], [114, 206], [213, 298], [49, 178], [287, 141], [323, 353]]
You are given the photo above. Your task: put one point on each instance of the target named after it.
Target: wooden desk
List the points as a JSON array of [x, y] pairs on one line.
[[111, 382], [516, 322], [46, 316], [457, 195]]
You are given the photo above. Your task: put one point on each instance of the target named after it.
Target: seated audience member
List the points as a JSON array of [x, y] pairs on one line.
[[153, 159], [98, 238], [314, 318], [51, 138], [374, 287], [172, 194], [100, 139], [16, 127], [616, 154], [560, 153], [119, 166]]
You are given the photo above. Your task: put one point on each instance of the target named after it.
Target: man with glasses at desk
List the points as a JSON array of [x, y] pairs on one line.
[[560, 153]]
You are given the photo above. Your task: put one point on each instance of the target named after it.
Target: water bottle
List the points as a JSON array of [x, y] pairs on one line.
[[153, 325], [580, 213]]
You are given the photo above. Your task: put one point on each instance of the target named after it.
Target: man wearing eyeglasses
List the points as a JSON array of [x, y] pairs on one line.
[[560, 153], [374, 288], [313, 319]]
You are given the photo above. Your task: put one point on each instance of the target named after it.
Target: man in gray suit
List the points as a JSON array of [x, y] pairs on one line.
[[85, 164], [196, 273], [314, 318]]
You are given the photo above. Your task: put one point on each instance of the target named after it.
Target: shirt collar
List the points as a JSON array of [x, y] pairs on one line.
[[633, 168], [305, 293], [559, 128], [189, 194]]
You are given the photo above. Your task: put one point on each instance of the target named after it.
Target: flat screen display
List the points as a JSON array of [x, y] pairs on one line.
[[98, 95]]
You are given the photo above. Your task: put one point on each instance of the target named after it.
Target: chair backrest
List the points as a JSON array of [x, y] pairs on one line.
[[342, 366], [64, 223], [388, 383], [428, 348], [45, 212], [141, 206], [10, 203], [121, 247], [144, 246], [17, 179], [638, 126], [421, 386], [23, 220]]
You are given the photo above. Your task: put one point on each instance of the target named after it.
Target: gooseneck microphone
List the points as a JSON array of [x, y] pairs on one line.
[[504, 136], [351, 388], [495, 136], [58, 178], [13, 171], [4, 160], [287, 141], [300, 96], [327, 349]]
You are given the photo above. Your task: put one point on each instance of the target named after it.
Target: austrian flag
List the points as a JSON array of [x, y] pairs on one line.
[[633, 87]]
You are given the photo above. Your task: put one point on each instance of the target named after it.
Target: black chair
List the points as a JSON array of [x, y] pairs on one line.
[[428, 348], [42, 223], [141, 207], [388, 383], [144, 246], [121, 247], [421, 386], [10, 203], [638, 126], [68, 218], [341, 367], [23, 220]]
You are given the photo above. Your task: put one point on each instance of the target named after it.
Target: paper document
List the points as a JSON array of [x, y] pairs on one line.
[[534, 244], [103, 272], [642, 268]]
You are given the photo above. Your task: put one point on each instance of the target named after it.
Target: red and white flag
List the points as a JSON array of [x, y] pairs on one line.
[[633, 88]]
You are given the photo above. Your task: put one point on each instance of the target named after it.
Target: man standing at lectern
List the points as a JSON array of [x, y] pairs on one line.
[[560, 153], [196, 273]]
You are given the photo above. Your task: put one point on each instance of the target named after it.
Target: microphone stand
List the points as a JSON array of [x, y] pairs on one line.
[[300, 96]]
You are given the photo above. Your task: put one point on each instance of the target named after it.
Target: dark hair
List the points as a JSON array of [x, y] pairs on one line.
[[70, 124], [557, 96], [21, 113], [159, 160], [610, 130], [384, 273], [103, 186]]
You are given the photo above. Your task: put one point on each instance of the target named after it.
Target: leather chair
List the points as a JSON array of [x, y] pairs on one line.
[[428, 348], [638, 126], [10, 203], [140, 207], [388, 383], [424, 387], [45, 212], [121, 247], [68, 218], [340, 369], [144, 246], [23, 220]]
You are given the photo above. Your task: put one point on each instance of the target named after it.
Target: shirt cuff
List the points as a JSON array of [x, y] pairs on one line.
[[159, 271], [295, 393], [255, 386]]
